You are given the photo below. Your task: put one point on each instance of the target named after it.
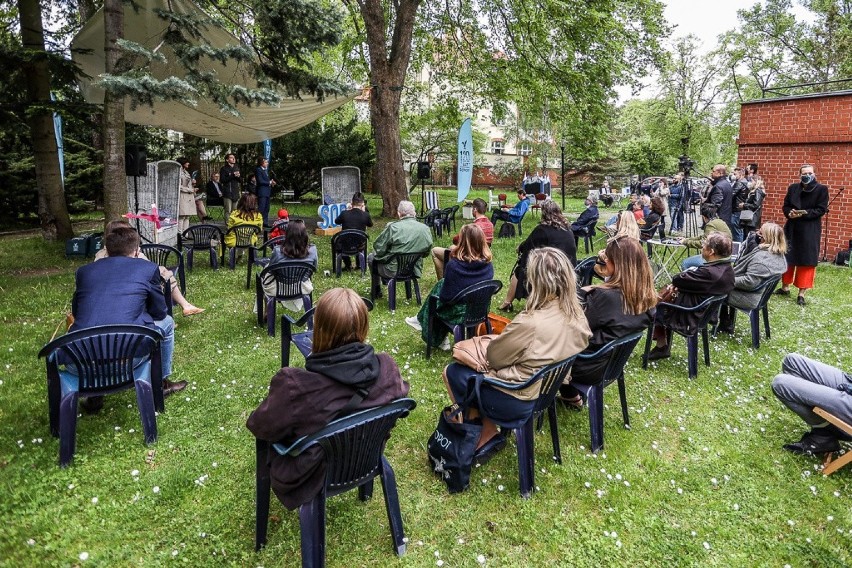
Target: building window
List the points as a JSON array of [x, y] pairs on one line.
[[525, 150], [498, 115], [497, 146]]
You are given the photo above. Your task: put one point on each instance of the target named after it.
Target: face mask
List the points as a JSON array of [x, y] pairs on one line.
[[807, 178]]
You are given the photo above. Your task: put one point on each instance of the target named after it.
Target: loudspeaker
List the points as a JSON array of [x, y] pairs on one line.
[[424, 170], [135, 160]]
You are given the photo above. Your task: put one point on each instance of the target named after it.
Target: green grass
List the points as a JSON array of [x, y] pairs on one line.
[[701, 464]]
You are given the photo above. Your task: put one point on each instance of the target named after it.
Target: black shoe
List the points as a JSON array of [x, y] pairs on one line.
[[800, 300], [659, 353], [489, 449], [782, 292], [170, 388], [813, 443], [92, 404]]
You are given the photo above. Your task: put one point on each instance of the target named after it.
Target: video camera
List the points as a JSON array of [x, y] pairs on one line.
[[685, 164]]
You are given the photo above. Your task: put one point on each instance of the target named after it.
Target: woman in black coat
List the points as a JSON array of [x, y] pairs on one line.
[[553, 231], [804, 205]]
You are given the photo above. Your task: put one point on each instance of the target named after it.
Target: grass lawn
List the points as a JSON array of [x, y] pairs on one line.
[[700, 480]]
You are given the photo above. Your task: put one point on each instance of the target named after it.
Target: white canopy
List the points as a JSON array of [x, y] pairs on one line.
[[254, 124]]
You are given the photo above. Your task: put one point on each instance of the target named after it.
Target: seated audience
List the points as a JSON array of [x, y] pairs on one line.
[[584, 225], [479, 219], [805, 383], [691, 287], [246, 213], [653, 218], [470, 263], [405, 236], [553, 231], [712, 224], [526, 345], [355, 218], [279, 226], [623, 224], [343, 375], [294, 247], [751, 270], [516, 213], [624, 304]]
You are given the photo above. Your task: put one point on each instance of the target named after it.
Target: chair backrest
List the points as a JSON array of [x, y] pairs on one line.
[[446, 213], [616, 353], [353, 445], [707, 309], [584, 270], [551, 377], [350, 241], [199, 236], [768, 288], [271, 243], [245, 234], [406, 263], [647, 233], [103, 356], [288, 276], [477, 301], [162, 255], [431, 198]]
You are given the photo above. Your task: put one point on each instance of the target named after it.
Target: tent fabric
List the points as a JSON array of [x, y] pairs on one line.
[[205, 119]]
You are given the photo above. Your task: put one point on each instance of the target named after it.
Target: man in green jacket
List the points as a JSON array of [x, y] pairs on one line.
[[408, 235], [712, 224]]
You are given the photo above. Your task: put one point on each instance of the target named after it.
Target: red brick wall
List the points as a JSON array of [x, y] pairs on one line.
[[782, 134]]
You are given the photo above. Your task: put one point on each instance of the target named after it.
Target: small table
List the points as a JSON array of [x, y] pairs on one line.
[[666, 257]]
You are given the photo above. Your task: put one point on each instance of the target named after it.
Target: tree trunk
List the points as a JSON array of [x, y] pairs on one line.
[[52, 209], [115, 180], [390, 53]]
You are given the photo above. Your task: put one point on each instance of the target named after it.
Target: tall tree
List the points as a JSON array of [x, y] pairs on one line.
[[115, 181], [52, 209]]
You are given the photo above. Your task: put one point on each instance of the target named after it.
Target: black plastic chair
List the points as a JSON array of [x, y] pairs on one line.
[[768, 288], [587, 231], [551, 378], [615, 353], [98, 361], [258, 257], [353, 449], [350, 242], [431, 219], [405, 266], [201, 238], [447, 219], [477, 301], [708, 309], [288, 276], [304, 341], [170, 257], [585, 271], [452, 218], [246, 235]]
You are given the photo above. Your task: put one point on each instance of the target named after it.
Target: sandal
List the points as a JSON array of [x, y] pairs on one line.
[[574, 403], [192, 311]]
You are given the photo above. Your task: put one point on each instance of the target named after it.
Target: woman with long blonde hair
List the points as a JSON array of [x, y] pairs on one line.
[[550, 328]]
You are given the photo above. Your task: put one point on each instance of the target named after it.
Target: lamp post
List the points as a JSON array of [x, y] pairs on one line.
[[562, 165]]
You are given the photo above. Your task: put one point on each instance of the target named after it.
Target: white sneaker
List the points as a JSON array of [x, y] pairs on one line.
[[412, 321], [445, 345]]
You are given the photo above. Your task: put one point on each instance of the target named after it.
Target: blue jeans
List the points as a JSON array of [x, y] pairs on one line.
[[693, 261], [167, 346], [736, 230], [676, 210]]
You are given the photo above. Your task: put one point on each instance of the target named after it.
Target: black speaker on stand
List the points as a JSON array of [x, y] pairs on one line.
[[424, 172], [136, 164]]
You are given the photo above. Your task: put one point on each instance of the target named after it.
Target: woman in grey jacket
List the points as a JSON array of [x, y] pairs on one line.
[[753, 269]]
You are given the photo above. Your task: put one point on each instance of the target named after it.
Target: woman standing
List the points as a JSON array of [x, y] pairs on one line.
[[753, 203], [470, 263], [663, 192], [804, 205], [186, 199]]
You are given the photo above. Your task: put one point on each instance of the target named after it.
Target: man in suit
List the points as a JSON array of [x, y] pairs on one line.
[[121, 289], [721, 193], [264, 188], [230, 178]]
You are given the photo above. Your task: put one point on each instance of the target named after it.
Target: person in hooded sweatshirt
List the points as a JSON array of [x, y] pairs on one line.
[[470, 263], [341, 370]]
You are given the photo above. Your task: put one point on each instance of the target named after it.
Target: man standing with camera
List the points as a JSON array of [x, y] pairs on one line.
[[804, 205]]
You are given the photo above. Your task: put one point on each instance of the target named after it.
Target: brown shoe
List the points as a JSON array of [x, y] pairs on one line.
[[169, 387]]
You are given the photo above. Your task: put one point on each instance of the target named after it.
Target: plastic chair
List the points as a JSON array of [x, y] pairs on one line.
[[493, 201], [451, 219], [98, 361], [551, 378], [477, 301], [350, 242], [540, 198], [518, 224], [585, 271], [353, 449], [405, 266], [587, 231], [201, 237], [754, 314], [246, 235], [258, 256], [432, 219], [615, 353], [170, 257], [288, 276], [708, 309], [304, 341]]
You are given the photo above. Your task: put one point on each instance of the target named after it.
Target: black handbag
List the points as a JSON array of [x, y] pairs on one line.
[[452, 445]]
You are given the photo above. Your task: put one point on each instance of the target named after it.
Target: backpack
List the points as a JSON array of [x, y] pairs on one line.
[[507, 231], [842, 258]]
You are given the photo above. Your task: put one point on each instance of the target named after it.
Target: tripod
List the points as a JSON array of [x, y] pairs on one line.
[[825, 233]]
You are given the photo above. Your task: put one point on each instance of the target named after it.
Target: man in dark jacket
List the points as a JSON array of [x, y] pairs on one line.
[[721, 193], [585, 223], [229, 176], [354, 218], [804, 205], [740, 193]]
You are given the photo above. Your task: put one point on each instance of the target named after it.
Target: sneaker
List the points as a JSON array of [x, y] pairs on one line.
[[813, 443], [412, 321], [445, 345]]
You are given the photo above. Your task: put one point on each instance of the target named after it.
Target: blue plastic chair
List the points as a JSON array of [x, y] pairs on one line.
[[551, 378], [708, 309], [615, 353], [98, 361], [169, 257], [353, 448], [350, 242], [304, 341], [201, 238], [288, 276], [477, 301], [405, 265], [768, 288]]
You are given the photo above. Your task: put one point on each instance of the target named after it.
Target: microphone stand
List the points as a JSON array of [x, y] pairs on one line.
[[825, 232]]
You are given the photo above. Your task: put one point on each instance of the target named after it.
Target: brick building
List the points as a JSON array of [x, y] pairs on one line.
[[782, 134]]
